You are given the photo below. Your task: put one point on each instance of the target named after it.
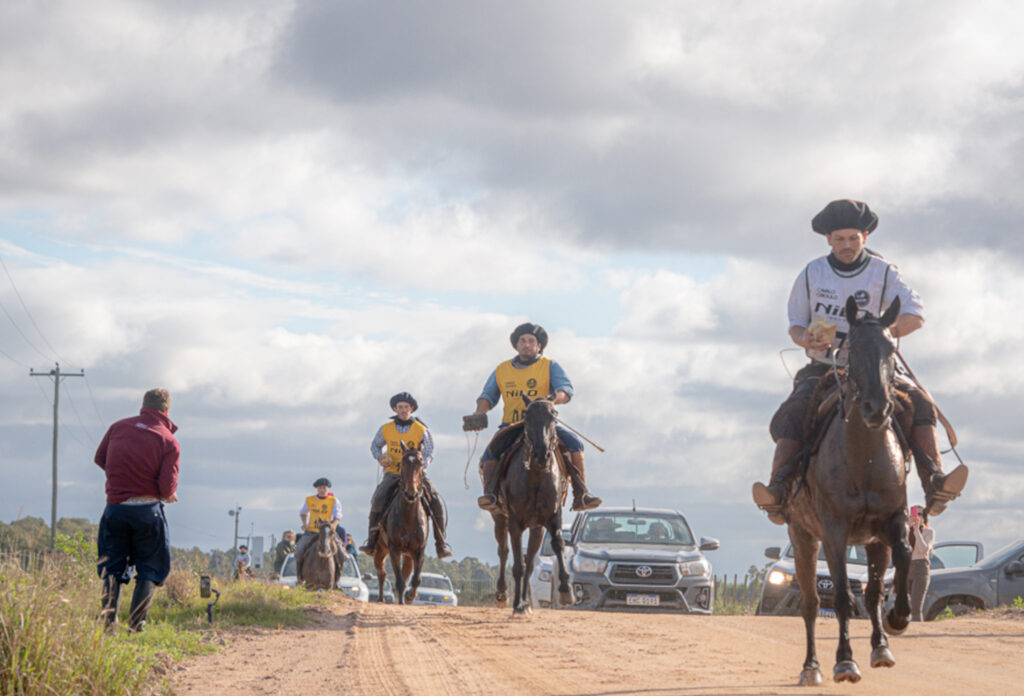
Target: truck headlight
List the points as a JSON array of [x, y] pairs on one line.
[[698, 568], [777, 577], [582, 564], [545, 576]]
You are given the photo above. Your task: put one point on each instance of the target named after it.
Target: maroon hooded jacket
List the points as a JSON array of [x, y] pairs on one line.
[[140, 456]]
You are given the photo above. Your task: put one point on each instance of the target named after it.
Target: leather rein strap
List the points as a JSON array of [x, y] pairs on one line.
[[950, 433]]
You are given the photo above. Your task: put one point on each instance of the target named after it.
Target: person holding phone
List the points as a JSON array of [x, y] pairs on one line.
[[922, 539]]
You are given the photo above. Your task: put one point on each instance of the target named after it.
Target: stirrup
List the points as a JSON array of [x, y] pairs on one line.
[[367, 548], [952, 484], [488, 502], [765, 499], [587, 501], [443, 550]]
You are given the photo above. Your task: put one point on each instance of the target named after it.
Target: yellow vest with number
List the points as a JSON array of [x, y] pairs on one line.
[[394, 440], [534, 381], [319, 509]]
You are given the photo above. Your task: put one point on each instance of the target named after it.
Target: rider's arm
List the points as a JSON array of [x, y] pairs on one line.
[[561, 385], [304, 515], [377, 446], [805, 339], [489, 396], [906, 324], [428, 448]]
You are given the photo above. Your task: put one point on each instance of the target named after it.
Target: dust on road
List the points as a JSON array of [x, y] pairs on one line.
[[390, 650]]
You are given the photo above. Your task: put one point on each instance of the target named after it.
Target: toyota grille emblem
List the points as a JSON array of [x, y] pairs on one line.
[[825, 584], [643, 571]]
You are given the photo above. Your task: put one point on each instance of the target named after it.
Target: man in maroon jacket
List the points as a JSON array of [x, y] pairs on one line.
[[140, 457]]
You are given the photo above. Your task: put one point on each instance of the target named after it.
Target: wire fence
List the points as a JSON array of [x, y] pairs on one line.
[[737, 597]]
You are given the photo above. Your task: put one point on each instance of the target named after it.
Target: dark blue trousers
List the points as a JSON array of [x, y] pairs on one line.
[[134, 536]]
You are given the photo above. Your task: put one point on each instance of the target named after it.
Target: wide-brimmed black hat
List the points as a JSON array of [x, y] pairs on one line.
[[536, 330], [406, 397], [844, 214]]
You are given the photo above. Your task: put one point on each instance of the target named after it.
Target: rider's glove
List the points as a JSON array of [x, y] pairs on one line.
[[476, 421]]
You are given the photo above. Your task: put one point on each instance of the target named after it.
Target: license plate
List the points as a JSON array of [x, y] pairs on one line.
[[827, 613], [643, 600]]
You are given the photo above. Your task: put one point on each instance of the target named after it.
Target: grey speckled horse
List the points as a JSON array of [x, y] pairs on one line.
[[855, 493]]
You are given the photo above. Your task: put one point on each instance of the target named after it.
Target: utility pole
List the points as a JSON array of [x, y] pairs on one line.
[[235, 513], [56, 374]]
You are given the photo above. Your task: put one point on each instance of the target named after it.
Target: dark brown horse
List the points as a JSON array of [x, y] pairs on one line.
[[855, 493], [530, 497], [404, 529], [320, 563]]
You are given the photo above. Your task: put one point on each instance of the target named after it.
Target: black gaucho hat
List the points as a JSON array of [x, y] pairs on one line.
[[844, 214], [406, 397], [321, 482], [535, 330]]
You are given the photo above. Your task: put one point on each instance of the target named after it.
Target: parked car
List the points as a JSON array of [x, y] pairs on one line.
[[993, 581], [436, 590], [371, 585], [350, 583], [780, 594], [639, 559], [543, 568]]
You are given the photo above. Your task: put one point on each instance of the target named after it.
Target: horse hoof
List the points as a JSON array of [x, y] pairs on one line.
[[522, 612], [566, 599], [882, 657], [892, 625], [810, 677], [846, 671]]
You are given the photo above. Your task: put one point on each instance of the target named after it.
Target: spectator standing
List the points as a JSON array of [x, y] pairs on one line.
[[140, 457], [922, 539], [283, 548], [243, 561]]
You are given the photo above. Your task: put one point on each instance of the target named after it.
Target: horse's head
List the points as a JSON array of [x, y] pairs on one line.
[[872, 363], [412, 471], [325, 531], [539, 431]]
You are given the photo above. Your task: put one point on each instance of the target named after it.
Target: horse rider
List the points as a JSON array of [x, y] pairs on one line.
[[820, 292], [316, 508], [386, 449], [536, 376]]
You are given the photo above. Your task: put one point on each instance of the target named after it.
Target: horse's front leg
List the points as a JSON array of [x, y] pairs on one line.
[[501, 536], [379, 555], [835, 535], [515, 533], [532, 546], [898, 618], [396, 566], [417, 566], [878, 561], [565, 596], [805, 552]]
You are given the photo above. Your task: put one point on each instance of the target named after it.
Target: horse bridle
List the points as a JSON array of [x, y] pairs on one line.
[[530, 453], [848, 389], [419, 492]]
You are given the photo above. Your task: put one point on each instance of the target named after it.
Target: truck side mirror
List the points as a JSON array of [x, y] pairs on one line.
[[1014, 569], [773, 552]]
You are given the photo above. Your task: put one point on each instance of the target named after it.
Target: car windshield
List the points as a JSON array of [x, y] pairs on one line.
[[854, 554], [350, 569], [629, 528], [1011, 550], [435, 583]]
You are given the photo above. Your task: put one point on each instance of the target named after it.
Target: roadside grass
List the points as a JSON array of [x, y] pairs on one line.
[[51, 641]]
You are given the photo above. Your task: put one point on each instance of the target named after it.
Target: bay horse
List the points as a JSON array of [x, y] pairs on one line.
[[403, 536], [319, 566], [854, 492], [530, 497]]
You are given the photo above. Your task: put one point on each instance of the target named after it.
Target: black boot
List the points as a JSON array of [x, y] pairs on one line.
[[436, 512], [772, 497], [582, 499], [489, 472], [370, 545], [939, 488], [142, 597], [109, 600]]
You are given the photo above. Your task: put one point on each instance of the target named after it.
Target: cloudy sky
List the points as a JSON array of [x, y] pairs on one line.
[[287, 212]]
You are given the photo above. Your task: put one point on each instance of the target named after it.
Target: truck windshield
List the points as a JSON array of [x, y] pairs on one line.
[[631, 528]]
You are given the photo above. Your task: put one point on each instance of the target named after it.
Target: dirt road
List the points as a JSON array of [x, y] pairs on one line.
[[387, 650]]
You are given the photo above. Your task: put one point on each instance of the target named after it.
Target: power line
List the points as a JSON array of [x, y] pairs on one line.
[[18, 329], [95, 406], [74, 408], [28, 313], [13, 360]]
